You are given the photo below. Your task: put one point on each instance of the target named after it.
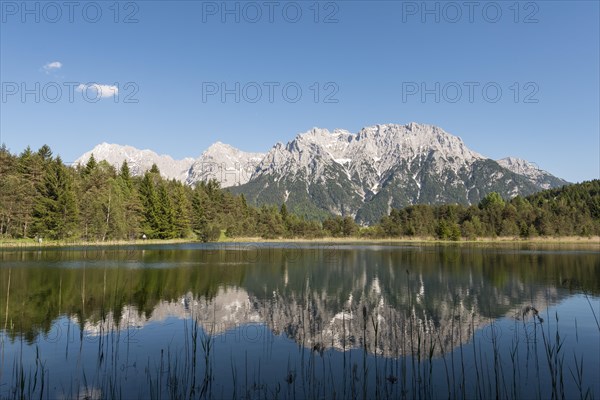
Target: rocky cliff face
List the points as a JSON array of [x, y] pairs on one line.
[[531, 171]]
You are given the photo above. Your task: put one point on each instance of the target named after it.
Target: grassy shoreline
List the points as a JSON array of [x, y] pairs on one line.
[[593, 241]]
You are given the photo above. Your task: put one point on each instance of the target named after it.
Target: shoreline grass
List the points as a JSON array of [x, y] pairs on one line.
[[593, 241]]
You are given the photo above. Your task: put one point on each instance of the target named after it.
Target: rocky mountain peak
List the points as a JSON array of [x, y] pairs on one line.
[[362, 174], [382, 166]]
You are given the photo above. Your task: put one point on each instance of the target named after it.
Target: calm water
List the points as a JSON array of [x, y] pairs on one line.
[[300, 321]]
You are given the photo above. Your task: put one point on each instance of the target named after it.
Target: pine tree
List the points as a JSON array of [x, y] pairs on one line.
[[199, 221], [31, 170], [349, 227], [45, 153], [181, 209], [7, 187], [284, 212], [56, 212], [149, 200], [125, 174], [133, 209], [154, 169], [166, 215], [91, 165], [492, 206]]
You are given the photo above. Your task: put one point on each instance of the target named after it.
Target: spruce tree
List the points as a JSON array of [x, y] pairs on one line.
[[284, 212], [31, 170], [133, 209], [154, 169], [149, 200], [45, 153], [125, 174], [166, 215], [199, 220], [91, 165], [181, 209], [56, 212]]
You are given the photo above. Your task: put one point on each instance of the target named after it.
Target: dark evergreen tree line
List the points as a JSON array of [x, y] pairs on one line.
[[41, 197], [572, 210]]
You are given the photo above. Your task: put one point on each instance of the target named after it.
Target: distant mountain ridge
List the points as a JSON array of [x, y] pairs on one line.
[[543, 179], [220, 161], [139, 161], [362, 175]]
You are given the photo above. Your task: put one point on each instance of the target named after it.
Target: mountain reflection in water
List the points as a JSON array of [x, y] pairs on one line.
[[384, 300]]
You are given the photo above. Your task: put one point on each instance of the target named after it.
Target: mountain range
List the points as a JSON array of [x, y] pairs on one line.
[[361, 175]]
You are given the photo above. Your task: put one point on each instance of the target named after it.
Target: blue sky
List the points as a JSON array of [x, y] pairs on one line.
[[369, 62]]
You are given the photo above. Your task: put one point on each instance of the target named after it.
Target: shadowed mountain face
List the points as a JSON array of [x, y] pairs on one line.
[[321, 296]]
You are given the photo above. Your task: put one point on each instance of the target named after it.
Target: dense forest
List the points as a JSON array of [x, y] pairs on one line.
[[41, 197]]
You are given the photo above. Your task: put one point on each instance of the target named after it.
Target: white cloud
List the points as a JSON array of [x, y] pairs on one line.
[[95, 90], [53, 65]]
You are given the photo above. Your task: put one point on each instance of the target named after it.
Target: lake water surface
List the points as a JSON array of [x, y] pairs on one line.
[[296, 320]]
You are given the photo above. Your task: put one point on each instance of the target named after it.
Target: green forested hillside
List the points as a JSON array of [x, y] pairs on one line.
[[573, 210], [42, 197]]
